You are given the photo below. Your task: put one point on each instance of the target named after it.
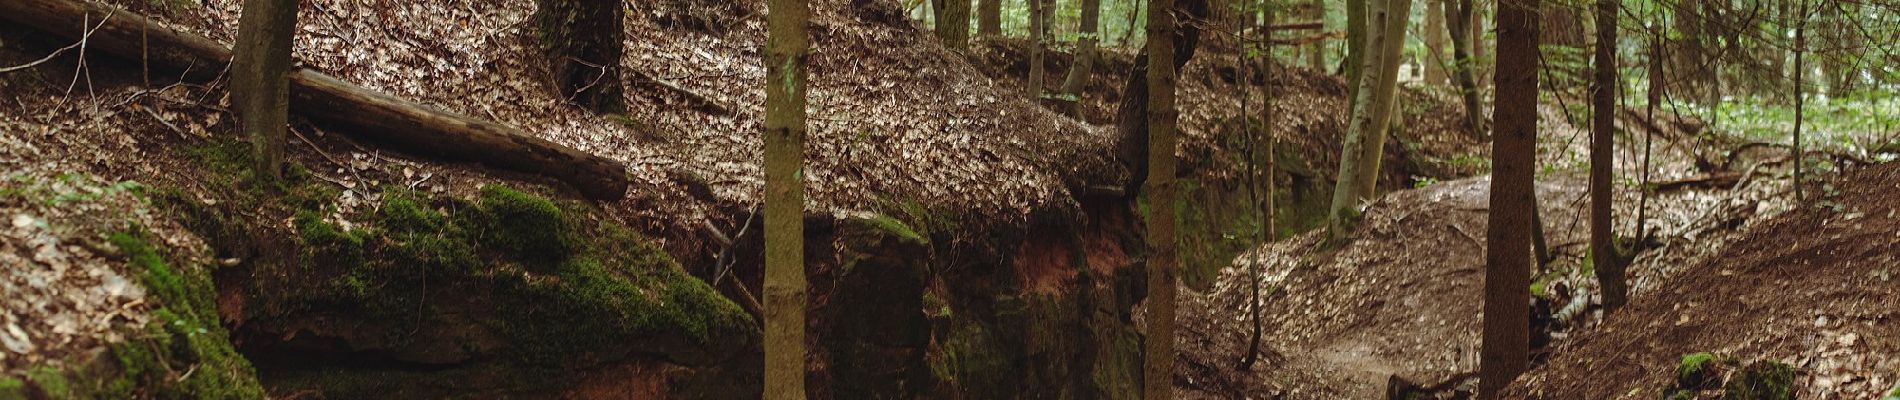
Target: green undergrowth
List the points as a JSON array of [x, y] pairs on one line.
[[181, 352], [554, 278], [184, 352], [1697, 373]]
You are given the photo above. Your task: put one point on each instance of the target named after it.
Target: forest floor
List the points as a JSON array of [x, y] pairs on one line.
[[897, 117]]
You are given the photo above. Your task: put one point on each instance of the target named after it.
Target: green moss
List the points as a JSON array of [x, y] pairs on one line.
[[530, 227], [1695, 370], [893, 226], [328, 242], [633, 291], [51, 382], [1893, 394], [1761, 380], [12, 388], [184, 335]]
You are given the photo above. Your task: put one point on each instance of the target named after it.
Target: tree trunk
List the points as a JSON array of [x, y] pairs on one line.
[[1038, 34], [1084, 65], [1131, 116], [1355, 45], [1458, 16], [581, 40], [1158, 347], [953, 23], [1316, 55], [989, 20], [1434, 32], [360, 112], [1800, 94], [1506, 340], [785, 287], [260, 86], [1264, 174], [1602, 157], [1391, 40], [1377, 82]]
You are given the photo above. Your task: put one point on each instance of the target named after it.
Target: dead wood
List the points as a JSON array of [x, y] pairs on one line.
[[358, 111]]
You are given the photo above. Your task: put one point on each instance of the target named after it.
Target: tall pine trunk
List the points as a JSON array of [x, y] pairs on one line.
[[1084, 65], [1394, 18], [785, 288], [1038, 35], [1458, 17], [989, 19], [1158, 347], [581, 40], [953, 23], [1316, 54], [1505, 351], [1435, 60], [1800, 94], [259, 82], [1603, 250]]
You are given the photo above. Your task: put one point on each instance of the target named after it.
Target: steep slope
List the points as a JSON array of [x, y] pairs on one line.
[[1811, 289]]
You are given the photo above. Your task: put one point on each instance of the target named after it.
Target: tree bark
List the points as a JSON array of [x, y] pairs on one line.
[[1265, 175], [1084, 65], [1800, 94], [260, 86], [1505, 349], [1038, 34], [1392, 46], [1602, 157], [361, 112], [1131, 116], [1459, 16], [785, 286], [1316, 54], [581, 40], [1376, 85], [1158, 348], [1356, 30], [1436, 70], [953, 23], [989, 18]]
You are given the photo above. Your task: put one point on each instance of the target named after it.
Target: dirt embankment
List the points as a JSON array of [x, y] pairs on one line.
[[1811, 289]]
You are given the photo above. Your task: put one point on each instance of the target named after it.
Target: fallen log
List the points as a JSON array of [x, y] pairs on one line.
[[1720, 179], [358, 111]]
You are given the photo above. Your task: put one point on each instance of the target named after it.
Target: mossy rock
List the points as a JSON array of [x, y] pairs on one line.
[[1698, 371], [1761, 380], [183, 335]]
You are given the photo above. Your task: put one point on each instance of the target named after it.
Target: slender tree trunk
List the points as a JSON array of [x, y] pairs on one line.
[[1800, 94], [1084, 65], [1316, 55], [1158, 352], [1505, 351], [1345, 206], [989, 20], [1038, 34], [581, 40], [1655, 94], [1376, 86], [1459, 16], [1134, 16], [1602, 157], [1263, 174], [1435, 59], [1356, 30], [259, 82], [785, 287], [953, 23], [1397, 13]]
